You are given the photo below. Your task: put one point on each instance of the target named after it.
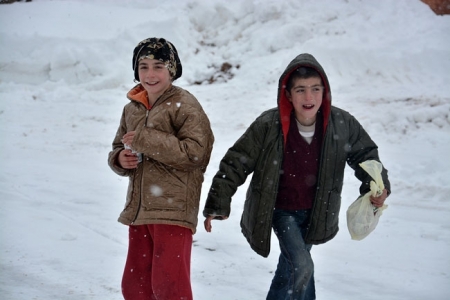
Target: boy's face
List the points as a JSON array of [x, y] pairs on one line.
[[306, 97], [154, 76]]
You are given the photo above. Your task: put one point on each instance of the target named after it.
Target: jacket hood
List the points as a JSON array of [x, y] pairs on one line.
[[285, 106]]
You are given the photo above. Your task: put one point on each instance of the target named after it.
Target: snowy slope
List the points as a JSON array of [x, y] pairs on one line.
[[65, 67]]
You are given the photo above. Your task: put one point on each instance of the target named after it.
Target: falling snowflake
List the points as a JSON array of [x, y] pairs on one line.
[[156, 190]]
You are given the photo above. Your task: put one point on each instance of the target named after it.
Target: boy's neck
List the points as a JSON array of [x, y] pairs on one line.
[[152, 98], [306, 122]]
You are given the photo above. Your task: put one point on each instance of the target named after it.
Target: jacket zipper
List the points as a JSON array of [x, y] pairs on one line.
[[319, 176], [142, 174]]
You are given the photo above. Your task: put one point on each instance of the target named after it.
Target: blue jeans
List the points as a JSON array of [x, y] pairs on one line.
[[294, 277]]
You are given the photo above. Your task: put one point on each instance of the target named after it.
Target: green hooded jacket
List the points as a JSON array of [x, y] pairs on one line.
[[260, 151]]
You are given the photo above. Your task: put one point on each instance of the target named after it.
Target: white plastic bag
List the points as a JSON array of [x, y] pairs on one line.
[[362, 215]]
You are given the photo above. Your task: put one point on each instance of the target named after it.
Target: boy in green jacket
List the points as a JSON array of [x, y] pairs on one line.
[[297, 153]]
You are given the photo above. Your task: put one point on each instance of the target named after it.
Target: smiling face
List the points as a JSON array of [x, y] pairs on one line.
[[306, 96], [154, 77]]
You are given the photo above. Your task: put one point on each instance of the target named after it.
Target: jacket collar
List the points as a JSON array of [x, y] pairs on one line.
[[139, 94]]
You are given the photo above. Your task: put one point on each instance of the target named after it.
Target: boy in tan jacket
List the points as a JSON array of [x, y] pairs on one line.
[[163, 145]]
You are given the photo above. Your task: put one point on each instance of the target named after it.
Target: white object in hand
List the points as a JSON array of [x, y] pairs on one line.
[[138, 155]]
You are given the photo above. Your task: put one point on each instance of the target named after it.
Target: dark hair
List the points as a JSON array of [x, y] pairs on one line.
[[302, 73]]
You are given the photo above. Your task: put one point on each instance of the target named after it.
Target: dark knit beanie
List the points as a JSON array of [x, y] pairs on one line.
[[159, 49]]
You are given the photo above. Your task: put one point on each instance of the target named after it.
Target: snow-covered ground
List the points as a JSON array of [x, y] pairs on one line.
[[65, 67]]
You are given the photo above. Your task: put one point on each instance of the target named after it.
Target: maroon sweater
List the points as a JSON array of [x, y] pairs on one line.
[[298, 181]]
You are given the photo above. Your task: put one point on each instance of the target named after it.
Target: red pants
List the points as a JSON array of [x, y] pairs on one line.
[[158, 263]]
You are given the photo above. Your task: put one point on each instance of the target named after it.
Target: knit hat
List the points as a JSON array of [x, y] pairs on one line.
[[159, 49]]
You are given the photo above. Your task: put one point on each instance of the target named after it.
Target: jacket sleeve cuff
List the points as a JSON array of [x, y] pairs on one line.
[[114, 164], [217, 214]]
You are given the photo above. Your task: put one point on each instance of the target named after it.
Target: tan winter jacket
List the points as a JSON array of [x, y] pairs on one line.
[[176, 140]]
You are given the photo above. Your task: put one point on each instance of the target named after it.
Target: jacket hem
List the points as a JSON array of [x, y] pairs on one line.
[[127, 222]]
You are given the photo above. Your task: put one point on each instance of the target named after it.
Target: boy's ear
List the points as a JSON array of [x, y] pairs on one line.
[[288, 95]]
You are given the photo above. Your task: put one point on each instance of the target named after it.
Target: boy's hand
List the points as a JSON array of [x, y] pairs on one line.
[[379, 201], [208, 226], [127, 159], [127, 139], [207, 223]]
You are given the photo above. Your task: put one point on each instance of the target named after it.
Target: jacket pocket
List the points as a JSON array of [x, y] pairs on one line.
[[166, 203], [334, 205], [251, 208], [166, 190]]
